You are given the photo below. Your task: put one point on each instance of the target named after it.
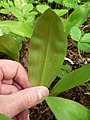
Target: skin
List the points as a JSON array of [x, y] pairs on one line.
[[16, 95]]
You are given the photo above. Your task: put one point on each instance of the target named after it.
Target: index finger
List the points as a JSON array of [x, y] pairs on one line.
[[14, 70]]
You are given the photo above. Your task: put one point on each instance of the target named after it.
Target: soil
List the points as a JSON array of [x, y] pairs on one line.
[[78, 94]]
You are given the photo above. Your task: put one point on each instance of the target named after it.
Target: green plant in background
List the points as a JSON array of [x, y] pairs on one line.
[[22, 10], [83, 41], [47, 51], [65, 69], [7, 45], [77, 17]]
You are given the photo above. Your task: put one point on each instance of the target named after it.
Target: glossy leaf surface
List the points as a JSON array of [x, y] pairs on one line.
[[9, 46], [77, 18], [47, 49], [3, 117], [19, 28], [71, 80], [65, 109]]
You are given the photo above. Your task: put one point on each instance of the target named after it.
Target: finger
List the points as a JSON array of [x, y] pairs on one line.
[[14, 70], [1, 77], [23, 100], [8, 89], [23, 115], [22, 77], [15, 118], [9, 82], [17, 85]]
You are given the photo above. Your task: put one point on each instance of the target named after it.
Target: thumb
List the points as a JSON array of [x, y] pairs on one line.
[[17, 102]]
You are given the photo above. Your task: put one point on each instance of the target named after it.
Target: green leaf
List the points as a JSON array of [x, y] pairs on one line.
[[84, 44], [41, 8], [27, 8], [58, 1], [47, 49], [4, 11], [70, 3], [9, 46], [75, 33], [65, 109], [16, 12], [66, 67], [18, 28], [5, 5], [3, 117], [77, 17], [86, 38], [3, 31], [85, 47], [72, 79], [60, 12], [50, 1], [20, 3], [64, 70]]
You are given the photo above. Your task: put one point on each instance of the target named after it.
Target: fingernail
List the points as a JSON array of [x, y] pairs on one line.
[[42, 92]]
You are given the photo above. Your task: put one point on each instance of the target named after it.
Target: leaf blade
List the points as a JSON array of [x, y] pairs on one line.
[[47, 52], [8, 45], [71, 80], [66, 109], [82, 12], [19, 28]]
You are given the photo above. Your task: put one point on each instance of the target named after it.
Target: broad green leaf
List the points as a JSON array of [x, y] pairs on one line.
[[77, 17], [75, 33], [60, 12], [18, 28], [47, 49], [41, 8], [84, 44], [71, 80], [4, 117], [65, 109], [9, 46]]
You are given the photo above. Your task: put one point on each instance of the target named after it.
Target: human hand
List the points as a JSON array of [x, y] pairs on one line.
[[16, 96]]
